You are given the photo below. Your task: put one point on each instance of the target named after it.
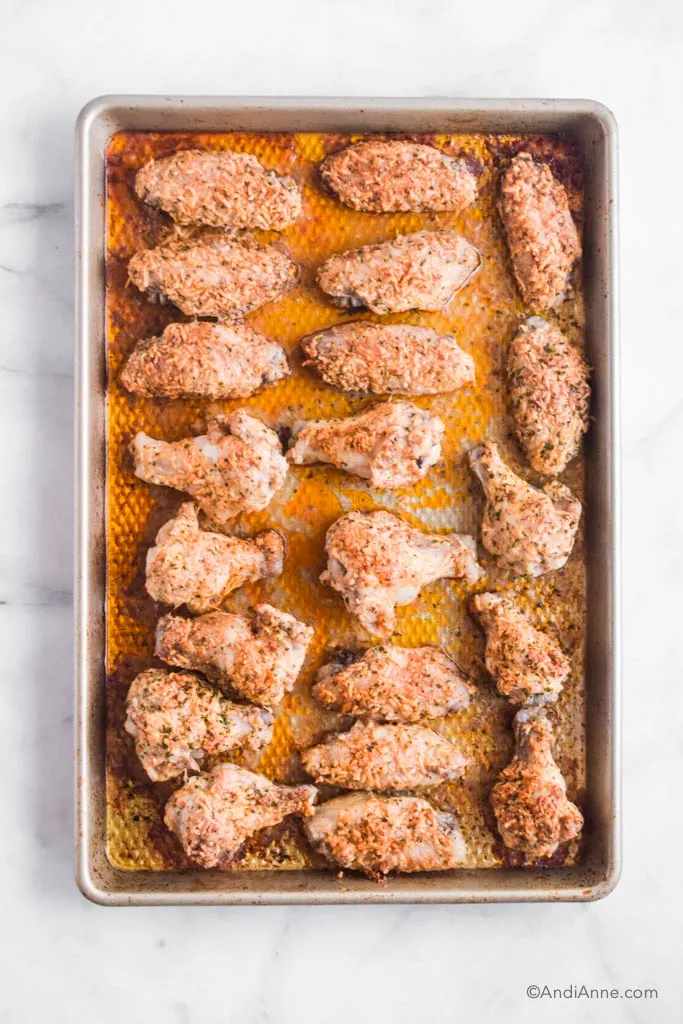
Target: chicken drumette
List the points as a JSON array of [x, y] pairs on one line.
[[549, 394], [199, 569], [199, 358], [177, 721], [395, 684], [379, 834], [527, 665], [529, 799], [236, 467], [529, 531], [215, 812], [258, 658], [382, 757], [392, 445], [377, 561]]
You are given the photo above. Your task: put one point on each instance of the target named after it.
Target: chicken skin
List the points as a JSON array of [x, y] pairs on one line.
[[199, 569], [257, 659], [529, 531], [379, 834], [392, 445], [213, 275], [529, 799], [380, 176], [542, 237], [382, 757], [527, 665], [420, 271], [199, 358], [395, 684], [177, 721], [214, 813], [377, 561], [223, 190], [549, 395], [236, 467], [388, 359]]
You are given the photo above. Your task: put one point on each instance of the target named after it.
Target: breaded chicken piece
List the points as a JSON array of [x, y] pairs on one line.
[[392, 445], [199, 569], [223, 190], [529, 531], [257, 658], [199, 358], [388, 359], [377, 561], [529, 799], [385, 757], [549, 395], [177, 721], [542, 237], [420, 271], [214, 274], [527, 665], [394, 684], [236, 467], [379, 834], [391, 176], [213, 813]]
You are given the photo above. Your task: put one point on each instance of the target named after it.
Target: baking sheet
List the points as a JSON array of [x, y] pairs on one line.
[[483, 317]]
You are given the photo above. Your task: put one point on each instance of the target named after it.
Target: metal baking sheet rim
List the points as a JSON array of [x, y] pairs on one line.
[[595, 127]]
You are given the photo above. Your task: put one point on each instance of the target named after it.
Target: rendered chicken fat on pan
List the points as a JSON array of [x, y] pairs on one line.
[[389, 176], [224, 190]]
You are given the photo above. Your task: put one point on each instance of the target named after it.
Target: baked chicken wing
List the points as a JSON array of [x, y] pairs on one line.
[[390, 176], [257, 658], [223, 190], [199, 358], [177, 721], [199, 569], [549, 395], [377, 561], [213, 813], [388, 359], [215, 274], [236, 467], [382, 757], [542, 237], [392, 445], [527, 665], [529, 799], [420, 271], [379, 834], [395, 684], [529, 531]]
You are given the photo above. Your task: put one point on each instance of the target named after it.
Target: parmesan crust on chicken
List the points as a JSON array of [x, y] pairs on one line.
[[223, 190], [392, 445], [236, 467], [199, 569], [379, 834], [199, 358], [542, 237], [177, 721], [257, 658], [215, 812], [394, 684], [214, 274], [390, 176], [388, 359], [420, 271]]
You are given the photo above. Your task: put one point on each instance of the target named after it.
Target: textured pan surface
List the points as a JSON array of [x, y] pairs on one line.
[[483, 317]]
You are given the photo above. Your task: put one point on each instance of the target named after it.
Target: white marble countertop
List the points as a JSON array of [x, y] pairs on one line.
[[65, 961]]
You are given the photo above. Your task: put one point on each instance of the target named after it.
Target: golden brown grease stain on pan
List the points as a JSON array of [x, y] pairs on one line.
[[483, 317]]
